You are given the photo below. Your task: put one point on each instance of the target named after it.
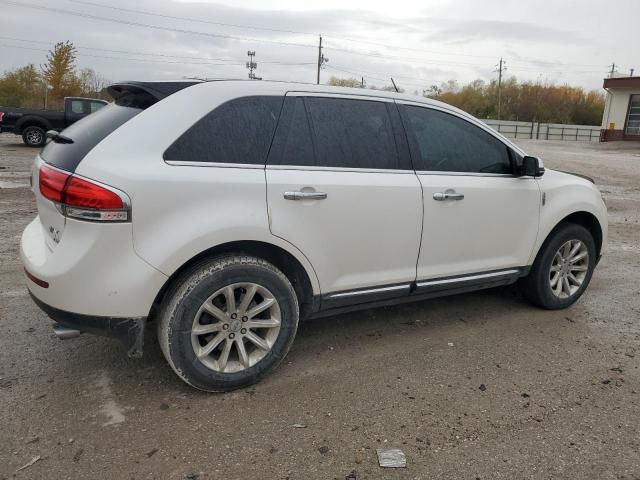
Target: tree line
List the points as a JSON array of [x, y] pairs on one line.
[[521, 101], [47, 85]]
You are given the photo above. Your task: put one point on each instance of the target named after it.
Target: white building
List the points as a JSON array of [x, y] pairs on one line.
[[621, 118]]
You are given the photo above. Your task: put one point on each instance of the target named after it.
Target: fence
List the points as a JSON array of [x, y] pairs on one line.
[[545, 131]]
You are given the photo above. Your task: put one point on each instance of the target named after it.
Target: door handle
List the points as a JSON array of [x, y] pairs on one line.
[[448, 194], [305, 195]]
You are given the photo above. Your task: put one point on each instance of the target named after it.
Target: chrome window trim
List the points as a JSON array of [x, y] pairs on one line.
[[181, 163], [479, 276], [370, 290], [467, 174], [338, 169]]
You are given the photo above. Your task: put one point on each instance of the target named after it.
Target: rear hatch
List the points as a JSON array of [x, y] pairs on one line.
[[62, 155]]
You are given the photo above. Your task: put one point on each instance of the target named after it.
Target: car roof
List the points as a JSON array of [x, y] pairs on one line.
[[272, 87]]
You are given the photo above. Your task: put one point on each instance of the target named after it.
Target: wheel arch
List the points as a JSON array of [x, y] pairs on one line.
[[32, 121], [583, 218], [276, 255]]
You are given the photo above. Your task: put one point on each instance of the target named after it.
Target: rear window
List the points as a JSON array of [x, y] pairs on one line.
[[86, 134]]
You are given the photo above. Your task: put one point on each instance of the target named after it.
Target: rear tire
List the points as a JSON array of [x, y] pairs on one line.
[[563, 268], [227, 322], [34, 137]]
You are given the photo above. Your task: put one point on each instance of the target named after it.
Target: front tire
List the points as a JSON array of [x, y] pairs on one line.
[[34, 137], [228, 322], [563, 268]]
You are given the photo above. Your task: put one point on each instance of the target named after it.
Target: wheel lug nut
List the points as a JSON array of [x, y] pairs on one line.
[[225, 326], [232, 335], [243, 331], [244, 319], [234, 316]]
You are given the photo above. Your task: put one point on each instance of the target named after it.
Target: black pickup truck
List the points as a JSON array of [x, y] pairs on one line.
[[33, 124]]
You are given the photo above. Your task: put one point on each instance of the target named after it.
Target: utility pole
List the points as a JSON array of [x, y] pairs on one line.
[[321, 60], [362, 80], [613, 70], [251, 65], [502, 66]]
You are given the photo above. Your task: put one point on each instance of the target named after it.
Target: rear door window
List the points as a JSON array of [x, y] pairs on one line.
[[238, 132], [336, 132], [86, 134]]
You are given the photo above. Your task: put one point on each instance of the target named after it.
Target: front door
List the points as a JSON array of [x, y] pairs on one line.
[[340, 188], [480, 219]]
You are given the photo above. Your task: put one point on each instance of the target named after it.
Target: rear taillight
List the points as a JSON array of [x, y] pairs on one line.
[[83, 199], [1, 116]]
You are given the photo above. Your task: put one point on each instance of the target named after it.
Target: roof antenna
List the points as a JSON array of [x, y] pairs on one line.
[[394, 85]]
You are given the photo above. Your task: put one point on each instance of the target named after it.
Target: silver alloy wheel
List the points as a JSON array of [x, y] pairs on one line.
[[34, 137], [569, 268], [236, 327]]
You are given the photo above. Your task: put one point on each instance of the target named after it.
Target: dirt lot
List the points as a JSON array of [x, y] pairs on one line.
[[561, 395]]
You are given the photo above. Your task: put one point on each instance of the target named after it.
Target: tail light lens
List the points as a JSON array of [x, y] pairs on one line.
[[83, 199], [1, 116]]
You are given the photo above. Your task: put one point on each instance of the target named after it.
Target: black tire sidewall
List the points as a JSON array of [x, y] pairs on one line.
[[547, 298], [42, 133], [180, 348]]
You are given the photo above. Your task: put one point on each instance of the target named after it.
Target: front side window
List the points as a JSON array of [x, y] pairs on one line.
[[633, 119], [238, 131], [441, 142]]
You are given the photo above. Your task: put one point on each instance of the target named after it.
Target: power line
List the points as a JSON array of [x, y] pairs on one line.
[[297, 32], [269, 29], [189, 19], [150, 26], [130, 52], [153, 60], [249, 39]]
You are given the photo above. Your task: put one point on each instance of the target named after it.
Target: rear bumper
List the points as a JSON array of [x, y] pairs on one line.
[[128, 330], [93, 270]]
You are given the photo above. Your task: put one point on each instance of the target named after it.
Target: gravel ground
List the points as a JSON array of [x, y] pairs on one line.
[[559, 396]]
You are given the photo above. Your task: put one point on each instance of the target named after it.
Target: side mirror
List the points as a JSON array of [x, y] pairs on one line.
[[531, 167]]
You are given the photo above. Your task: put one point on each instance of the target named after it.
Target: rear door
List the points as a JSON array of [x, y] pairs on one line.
[[480, 219], [341, 189]]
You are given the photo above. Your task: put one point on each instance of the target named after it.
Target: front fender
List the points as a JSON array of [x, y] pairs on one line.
[[566, 194]]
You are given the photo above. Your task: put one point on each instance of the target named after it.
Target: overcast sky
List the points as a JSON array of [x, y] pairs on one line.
[[419, 43]]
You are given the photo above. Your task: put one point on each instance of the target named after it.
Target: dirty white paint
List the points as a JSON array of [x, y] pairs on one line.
[[109, 408]]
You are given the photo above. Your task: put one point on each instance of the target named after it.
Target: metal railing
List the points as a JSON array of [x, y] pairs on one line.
[[545, 131]]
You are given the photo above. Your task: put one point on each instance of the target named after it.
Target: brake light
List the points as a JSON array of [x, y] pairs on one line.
[[52, 183], [1, 116], [81, 198], [84, 194]]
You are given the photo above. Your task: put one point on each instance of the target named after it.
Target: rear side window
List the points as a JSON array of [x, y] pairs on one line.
[[86, 134], [238, 131], [441, 142]]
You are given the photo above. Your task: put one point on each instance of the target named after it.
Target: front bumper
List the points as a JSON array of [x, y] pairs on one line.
[[128, 330]]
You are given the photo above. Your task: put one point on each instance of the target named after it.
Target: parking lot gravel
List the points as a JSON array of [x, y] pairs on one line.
[[481, 385]]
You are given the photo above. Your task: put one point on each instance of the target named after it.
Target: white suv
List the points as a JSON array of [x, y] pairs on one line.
[[226, 211]]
